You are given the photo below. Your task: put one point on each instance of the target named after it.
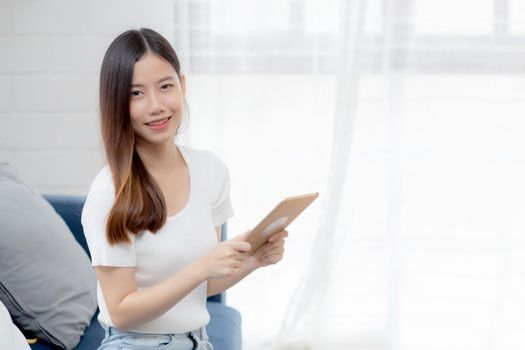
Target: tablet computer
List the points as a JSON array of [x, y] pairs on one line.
[[278, 219]]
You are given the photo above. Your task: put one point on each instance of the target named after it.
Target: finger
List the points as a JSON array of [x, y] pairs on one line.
[[260, 253], [240, 257], [275, 251], [278, 236], [278, 243], [267, 262], [242, 246], [271, 246], [264, 249], [242, 236], [278, 251], [271, 259]]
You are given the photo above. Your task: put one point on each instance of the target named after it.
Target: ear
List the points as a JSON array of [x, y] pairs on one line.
[[183, 84]]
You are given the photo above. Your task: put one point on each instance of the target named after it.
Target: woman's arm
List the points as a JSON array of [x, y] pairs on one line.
[[129, 307]]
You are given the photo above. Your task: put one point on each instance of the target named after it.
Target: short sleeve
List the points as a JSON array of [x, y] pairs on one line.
[[222, 208], [94, 217]]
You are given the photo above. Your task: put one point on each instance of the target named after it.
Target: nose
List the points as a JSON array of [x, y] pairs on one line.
[[155, 104]]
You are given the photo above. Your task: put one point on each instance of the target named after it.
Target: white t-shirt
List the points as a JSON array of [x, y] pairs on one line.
[[185, 237]]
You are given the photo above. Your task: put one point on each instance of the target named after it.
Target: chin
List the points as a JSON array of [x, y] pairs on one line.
[[156, 139]]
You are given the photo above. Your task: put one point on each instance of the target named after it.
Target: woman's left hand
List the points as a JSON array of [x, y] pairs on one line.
[[272, 251]]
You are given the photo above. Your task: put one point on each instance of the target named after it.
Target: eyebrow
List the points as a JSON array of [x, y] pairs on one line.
[[158, 82]]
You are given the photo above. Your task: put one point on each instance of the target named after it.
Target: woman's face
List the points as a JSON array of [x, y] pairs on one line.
[[156, 102]]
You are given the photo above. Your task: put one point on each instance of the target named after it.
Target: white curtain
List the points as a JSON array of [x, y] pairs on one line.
[[408, 117]]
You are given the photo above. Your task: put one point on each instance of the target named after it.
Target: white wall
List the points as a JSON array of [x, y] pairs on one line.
[[50, 58], [51, 52]]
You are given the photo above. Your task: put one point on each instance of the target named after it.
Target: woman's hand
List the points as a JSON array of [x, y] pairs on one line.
[[226, 259], [271, 252]]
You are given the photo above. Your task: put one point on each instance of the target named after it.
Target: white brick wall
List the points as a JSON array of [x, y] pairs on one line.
[[50, 56]]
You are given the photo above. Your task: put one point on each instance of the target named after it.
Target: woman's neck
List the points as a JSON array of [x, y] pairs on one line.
[[159, 158]]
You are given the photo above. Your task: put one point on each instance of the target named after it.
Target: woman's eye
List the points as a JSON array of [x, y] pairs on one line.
[[135, 93], [167, 85]]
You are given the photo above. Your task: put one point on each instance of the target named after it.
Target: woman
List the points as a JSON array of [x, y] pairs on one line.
[[150, 214]]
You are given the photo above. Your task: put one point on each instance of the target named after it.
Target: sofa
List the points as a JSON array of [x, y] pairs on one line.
[[224, 328]]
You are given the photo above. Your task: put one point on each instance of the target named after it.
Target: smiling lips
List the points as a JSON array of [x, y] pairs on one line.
[[159, 124]]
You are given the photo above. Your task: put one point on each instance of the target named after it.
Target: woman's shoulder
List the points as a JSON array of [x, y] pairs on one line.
[[99, 198], [103, 181]]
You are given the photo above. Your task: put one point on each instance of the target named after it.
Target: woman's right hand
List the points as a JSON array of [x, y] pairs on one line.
[[225, 259]]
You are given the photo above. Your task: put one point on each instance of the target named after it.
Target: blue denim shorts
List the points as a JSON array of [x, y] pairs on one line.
[[116, 339]]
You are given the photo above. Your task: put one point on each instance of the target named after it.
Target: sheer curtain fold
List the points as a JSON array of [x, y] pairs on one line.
[[302, 306], [408, 286], [406, 116]]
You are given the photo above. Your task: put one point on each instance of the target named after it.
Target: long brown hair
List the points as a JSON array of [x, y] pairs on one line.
[[139, 203]]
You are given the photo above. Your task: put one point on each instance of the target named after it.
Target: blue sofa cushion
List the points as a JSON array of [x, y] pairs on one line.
[[224, 328]]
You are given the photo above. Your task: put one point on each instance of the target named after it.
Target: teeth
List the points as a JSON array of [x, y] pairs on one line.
[[158, 122]]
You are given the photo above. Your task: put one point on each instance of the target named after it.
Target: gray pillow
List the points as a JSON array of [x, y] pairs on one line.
[[46, 279]]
